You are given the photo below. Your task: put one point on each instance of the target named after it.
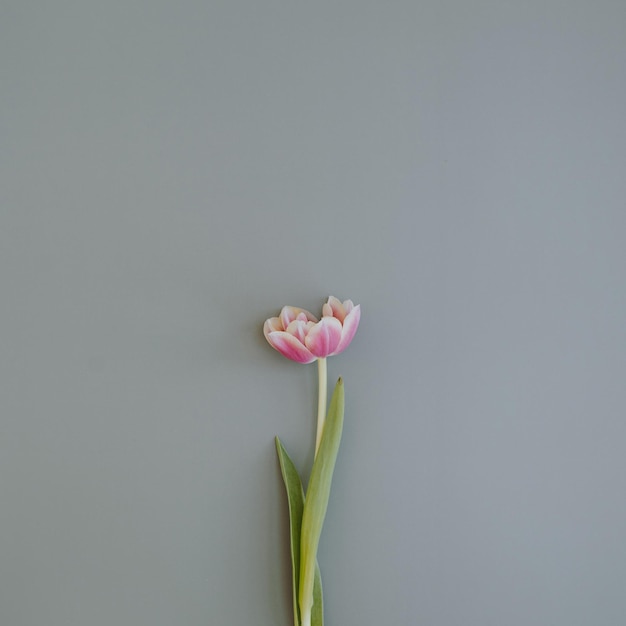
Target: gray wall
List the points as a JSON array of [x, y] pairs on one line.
[[173, 173]]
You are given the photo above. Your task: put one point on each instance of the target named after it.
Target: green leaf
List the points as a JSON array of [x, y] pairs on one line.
[[316, 501], [317, 612], [295, 499]]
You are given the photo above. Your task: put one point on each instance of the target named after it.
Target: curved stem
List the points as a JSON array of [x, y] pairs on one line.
[[321, 402]]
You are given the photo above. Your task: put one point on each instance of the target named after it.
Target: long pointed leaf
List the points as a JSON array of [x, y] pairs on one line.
[[316, 501], [317, 612], [295, 499]]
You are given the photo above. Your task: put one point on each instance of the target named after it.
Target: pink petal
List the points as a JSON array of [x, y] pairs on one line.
[[324, 337], [271, 325], [350, 324], [298, 329], [287, 315], [337, 308], [290, 347], [290, 313]]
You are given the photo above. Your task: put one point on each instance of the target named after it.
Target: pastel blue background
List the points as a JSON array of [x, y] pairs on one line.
[[171, 174]]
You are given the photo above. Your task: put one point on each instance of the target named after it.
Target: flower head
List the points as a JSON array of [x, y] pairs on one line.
[[298, 335]]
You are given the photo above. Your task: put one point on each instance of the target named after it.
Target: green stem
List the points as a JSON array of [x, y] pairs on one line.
[[321, 402]]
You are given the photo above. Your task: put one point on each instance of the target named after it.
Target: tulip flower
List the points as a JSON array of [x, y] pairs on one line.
[[298, 335]]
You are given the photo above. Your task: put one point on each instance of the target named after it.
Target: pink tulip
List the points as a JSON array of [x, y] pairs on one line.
[[298, 335]]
